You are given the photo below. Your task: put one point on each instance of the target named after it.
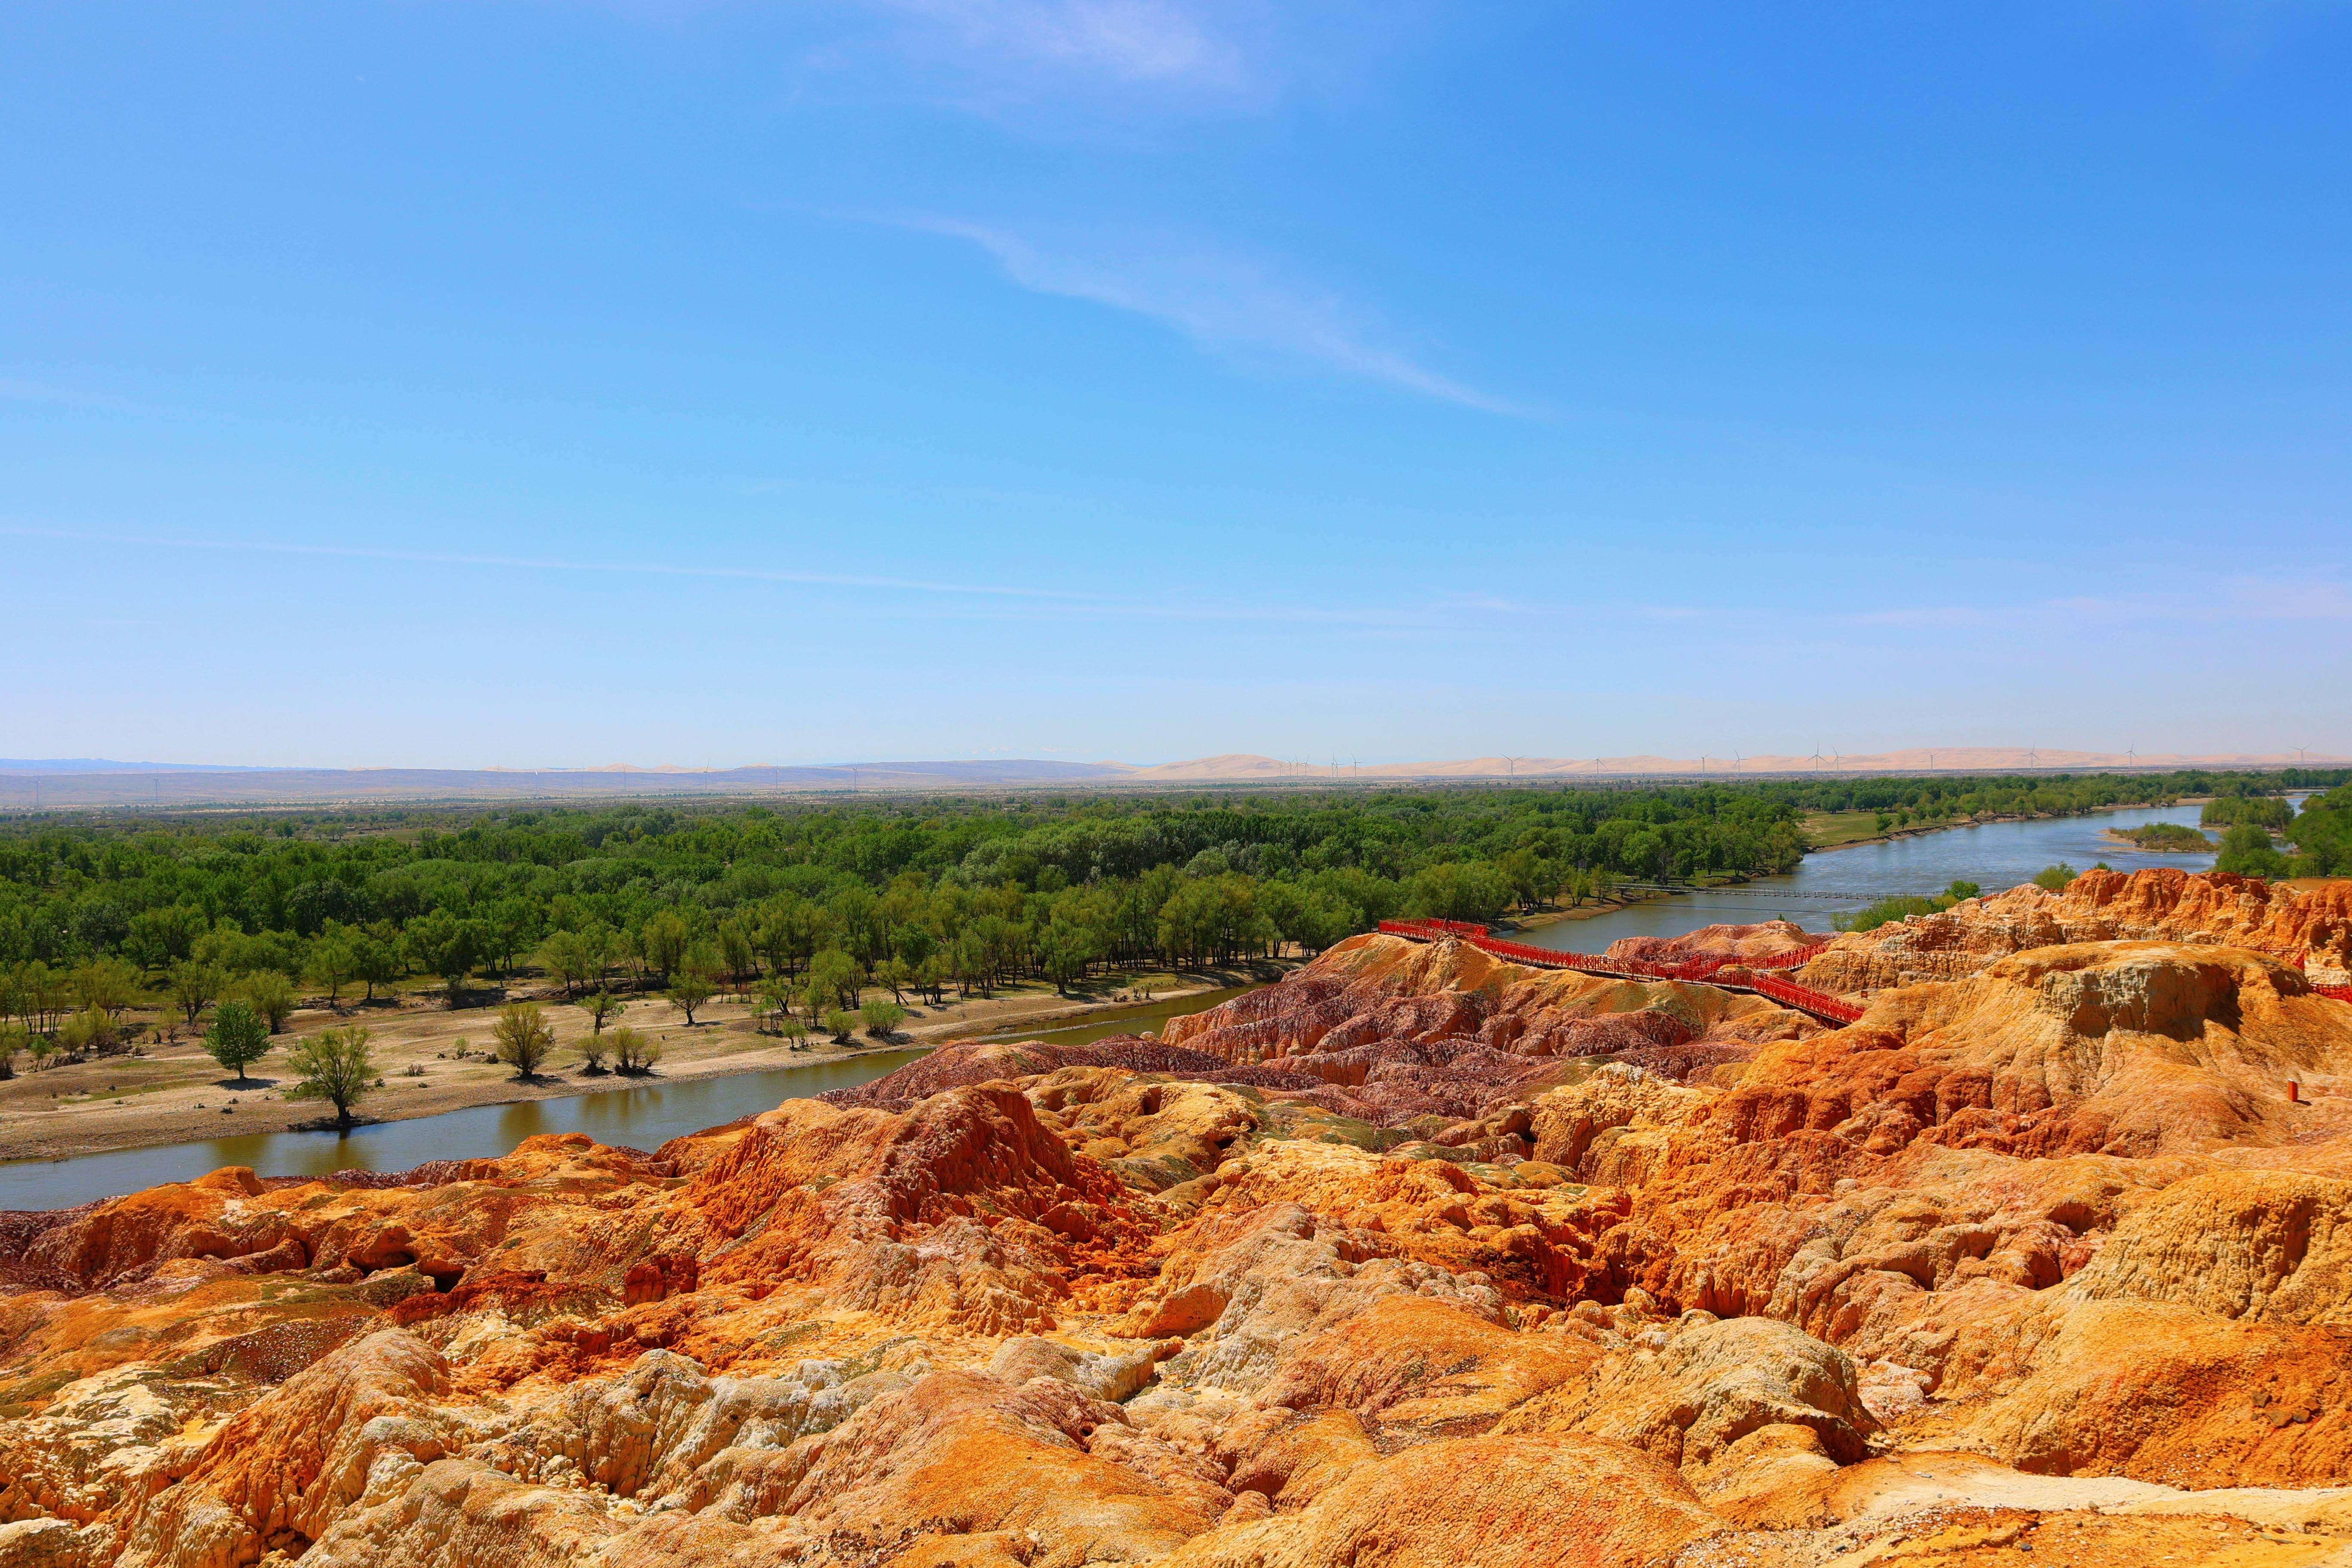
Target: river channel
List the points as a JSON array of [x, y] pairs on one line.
[[644, 1115], [1996, 856]]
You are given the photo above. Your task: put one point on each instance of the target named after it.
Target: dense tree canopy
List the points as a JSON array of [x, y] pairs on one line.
[[900, 893]]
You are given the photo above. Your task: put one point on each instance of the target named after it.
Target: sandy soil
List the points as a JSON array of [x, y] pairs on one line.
[[434, 1058]]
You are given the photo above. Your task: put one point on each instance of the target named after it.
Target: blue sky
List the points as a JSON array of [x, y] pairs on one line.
[[558, 383]]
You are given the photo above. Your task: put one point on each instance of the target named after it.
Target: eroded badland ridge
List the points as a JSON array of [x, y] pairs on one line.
[[1417, 1258]]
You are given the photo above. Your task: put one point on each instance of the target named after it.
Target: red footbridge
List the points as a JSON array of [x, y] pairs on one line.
[[1750, 974]]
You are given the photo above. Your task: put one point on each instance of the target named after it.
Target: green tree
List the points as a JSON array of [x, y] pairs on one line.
[[601, 1007], [840, 1023], [442, 944], [563, 956], [690, 990], [271, 995], [376, 960], [194, 987], [108, 985], [2247, 850], [836, 973], [895, 975], [665, 935], [592, 1053], [2054, 877], [237, 1039], [13, 1040], [524, 1036], [881, 1017], [336, 1066], [1065, 951], [333, 964]]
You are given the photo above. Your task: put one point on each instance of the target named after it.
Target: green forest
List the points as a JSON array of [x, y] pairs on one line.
[[101, 913]]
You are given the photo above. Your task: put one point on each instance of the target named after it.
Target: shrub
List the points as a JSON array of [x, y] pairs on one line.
[[881, 1017], [840, 1023], [524, 1038], [89, 1033], [2054, 877], [633, 1053]]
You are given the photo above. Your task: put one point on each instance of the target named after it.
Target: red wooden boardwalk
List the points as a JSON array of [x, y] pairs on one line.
[[1815, 1004]]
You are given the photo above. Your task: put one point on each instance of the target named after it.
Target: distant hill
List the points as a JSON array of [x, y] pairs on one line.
[[90, 783]]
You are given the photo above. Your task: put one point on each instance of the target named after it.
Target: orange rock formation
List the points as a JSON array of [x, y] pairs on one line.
[[1417, 1258]]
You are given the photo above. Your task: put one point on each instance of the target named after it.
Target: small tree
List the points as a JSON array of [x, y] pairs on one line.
[[2054, 877], [690, 990], [334, 963], [601, 1007], [840, 1023], [563, 956], [895, 973], [237, 1039], [375, 962], [592, 1053], [12, 1046], [881, 1017], [793, 1030], [336, 1066], [524, 1038], [633, 1053], [775, 1004], [194, 987], [271, 995], [665, 936], [836, 971]]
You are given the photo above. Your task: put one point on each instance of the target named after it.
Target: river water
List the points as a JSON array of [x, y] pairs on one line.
[[1996, 856], [644, 1115]]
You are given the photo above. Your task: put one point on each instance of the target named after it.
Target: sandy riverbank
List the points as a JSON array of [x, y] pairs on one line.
[[175, 1093]]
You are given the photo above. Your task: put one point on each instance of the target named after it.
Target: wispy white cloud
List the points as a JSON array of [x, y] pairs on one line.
[[1120, 40], [1223, 302]]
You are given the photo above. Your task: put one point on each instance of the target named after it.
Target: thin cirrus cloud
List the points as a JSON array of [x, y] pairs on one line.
[[1222, 301], [1122, 40]]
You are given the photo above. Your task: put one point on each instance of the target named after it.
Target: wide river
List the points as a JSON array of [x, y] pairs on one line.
[[643, 1116], [1996, 856]]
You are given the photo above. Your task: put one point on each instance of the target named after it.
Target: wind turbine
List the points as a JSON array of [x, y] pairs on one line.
[[2300, 751], [1736, 760], [2032, 758], [1816, 758], [1513, 764]]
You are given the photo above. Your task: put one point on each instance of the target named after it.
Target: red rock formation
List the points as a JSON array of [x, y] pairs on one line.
[[2312, 928], [1365, 1267]]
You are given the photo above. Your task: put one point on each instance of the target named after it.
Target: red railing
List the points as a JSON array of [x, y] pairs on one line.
[[1819, 1004]]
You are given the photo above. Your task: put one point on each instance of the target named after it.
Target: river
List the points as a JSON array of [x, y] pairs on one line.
[[644, 1115], [1996, 856]]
